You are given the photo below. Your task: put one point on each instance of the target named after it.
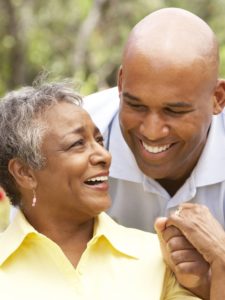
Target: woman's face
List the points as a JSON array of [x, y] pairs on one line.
[[75, 178]]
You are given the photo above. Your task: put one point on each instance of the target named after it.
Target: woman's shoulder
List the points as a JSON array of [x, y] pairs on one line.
[[145, 243]]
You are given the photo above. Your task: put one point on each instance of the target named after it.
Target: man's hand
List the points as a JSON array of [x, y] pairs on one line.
[[189, 266], [206, 234], [201, 229]]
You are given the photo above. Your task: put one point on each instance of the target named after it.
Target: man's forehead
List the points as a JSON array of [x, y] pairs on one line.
[[172, 34]]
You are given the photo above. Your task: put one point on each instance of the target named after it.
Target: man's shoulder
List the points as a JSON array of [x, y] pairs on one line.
[[102, 106], [103, 94], [104, 100]]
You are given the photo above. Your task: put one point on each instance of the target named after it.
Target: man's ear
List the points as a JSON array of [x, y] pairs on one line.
[[119, 79], [23, 175], [219, 97]]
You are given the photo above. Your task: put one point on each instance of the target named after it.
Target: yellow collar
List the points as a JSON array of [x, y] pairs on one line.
[[120, 238]]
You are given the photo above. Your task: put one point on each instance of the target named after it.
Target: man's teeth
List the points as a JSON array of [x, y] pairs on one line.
[[155, 149], [99, 178]]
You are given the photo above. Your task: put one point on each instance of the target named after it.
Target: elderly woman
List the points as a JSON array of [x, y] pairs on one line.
[[61, 245]]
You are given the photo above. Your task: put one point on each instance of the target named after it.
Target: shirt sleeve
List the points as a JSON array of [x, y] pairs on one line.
[[172, 290]]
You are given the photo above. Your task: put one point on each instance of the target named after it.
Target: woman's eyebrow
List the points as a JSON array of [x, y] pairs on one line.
[[78, 130]]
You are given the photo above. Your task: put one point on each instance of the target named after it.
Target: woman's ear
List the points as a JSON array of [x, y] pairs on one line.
[[219, 97], [23, 175]]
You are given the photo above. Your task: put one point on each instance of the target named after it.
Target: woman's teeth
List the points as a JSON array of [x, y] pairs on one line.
[[97, 180]]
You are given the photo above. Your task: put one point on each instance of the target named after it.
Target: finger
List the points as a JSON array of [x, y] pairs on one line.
[[191, 274], [160, 224], [194, 268], [178, 243], [170, 232], [187, 255]]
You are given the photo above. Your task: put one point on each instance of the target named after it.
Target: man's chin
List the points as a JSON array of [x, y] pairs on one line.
[[153, 170]]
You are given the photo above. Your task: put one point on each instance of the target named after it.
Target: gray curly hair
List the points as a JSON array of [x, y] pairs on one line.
[[22, 129]]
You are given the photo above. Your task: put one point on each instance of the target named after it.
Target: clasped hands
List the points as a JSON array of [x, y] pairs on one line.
[[193, 244]]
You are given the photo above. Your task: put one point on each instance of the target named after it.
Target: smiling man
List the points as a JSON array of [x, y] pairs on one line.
[[165, 131]]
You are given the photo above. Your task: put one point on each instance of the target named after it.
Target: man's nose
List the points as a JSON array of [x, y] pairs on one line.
[[154, 127]]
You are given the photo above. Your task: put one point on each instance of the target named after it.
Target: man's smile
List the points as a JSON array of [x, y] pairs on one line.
[[155, 149]]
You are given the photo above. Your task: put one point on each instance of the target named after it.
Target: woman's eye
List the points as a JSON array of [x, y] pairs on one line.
[[78, 143], [100, 140]]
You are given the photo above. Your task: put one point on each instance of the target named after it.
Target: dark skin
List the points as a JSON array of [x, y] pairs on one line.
[[196, 223], [169, 91], [66, 205], [183, 258], [168, 97]]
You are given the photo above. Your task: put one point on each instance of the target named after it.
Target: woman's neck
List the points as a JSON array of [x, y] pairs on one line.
[[69, 234]]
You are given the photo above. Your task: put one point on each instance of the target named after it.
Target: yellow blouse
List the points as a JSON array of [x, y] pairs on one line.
[[118, 264]]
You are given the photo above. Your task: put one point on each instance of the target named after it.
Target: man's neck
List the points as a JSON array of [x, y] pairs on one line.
[[170, 185]]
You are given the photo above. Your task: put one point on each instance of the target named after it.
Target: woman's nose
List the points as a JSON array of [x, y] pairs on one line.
[[100, 155]]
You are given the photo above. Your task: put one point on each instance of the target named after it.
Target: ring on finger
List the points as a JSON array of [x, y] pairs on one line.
[[178, 211]]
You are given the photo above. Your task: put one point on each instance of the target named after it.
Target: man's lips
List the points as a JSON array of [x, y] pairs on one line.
[[155, 149]]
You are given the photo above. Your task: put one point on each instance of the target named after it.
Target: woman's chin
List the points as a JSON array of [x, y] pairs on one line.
[[103, 205]]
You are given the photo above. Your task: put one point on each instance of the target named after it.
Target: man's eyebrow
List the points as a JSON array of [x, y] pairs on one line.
[[127, 95], [180, 104]]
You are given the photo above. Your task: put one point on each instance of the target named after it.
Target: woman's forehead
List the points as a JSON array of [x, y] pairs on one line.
[[67, 117]]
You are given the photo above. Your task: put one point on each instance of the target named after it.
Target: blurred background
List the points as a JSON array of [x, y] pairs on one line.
[[82, 39]]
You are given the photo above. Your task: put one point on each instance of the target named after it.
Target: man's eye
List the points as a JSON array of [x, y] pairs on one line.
[[138, 107], [177, 112]]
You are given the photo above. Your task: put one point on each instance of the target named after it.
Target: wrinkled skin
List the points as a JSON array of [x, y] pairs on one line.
[[207, 236]]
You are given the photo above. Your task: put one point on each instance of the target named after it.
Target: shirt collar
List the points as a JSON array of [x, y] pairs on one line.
[[116, 235], [209, 169], [120, 237], [14, 235], [123, 164]]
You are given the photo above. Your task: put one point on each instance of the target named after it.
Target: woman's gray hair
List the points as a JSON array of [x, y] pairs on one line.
[[22, 128]]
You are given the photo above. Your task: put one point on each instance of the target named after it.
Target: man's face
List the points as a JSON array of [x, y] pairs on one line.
[[165, 115]]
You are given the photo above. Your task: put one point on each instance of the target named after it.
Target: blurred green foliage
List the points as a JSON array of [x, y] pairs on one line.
[[80, 39]]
